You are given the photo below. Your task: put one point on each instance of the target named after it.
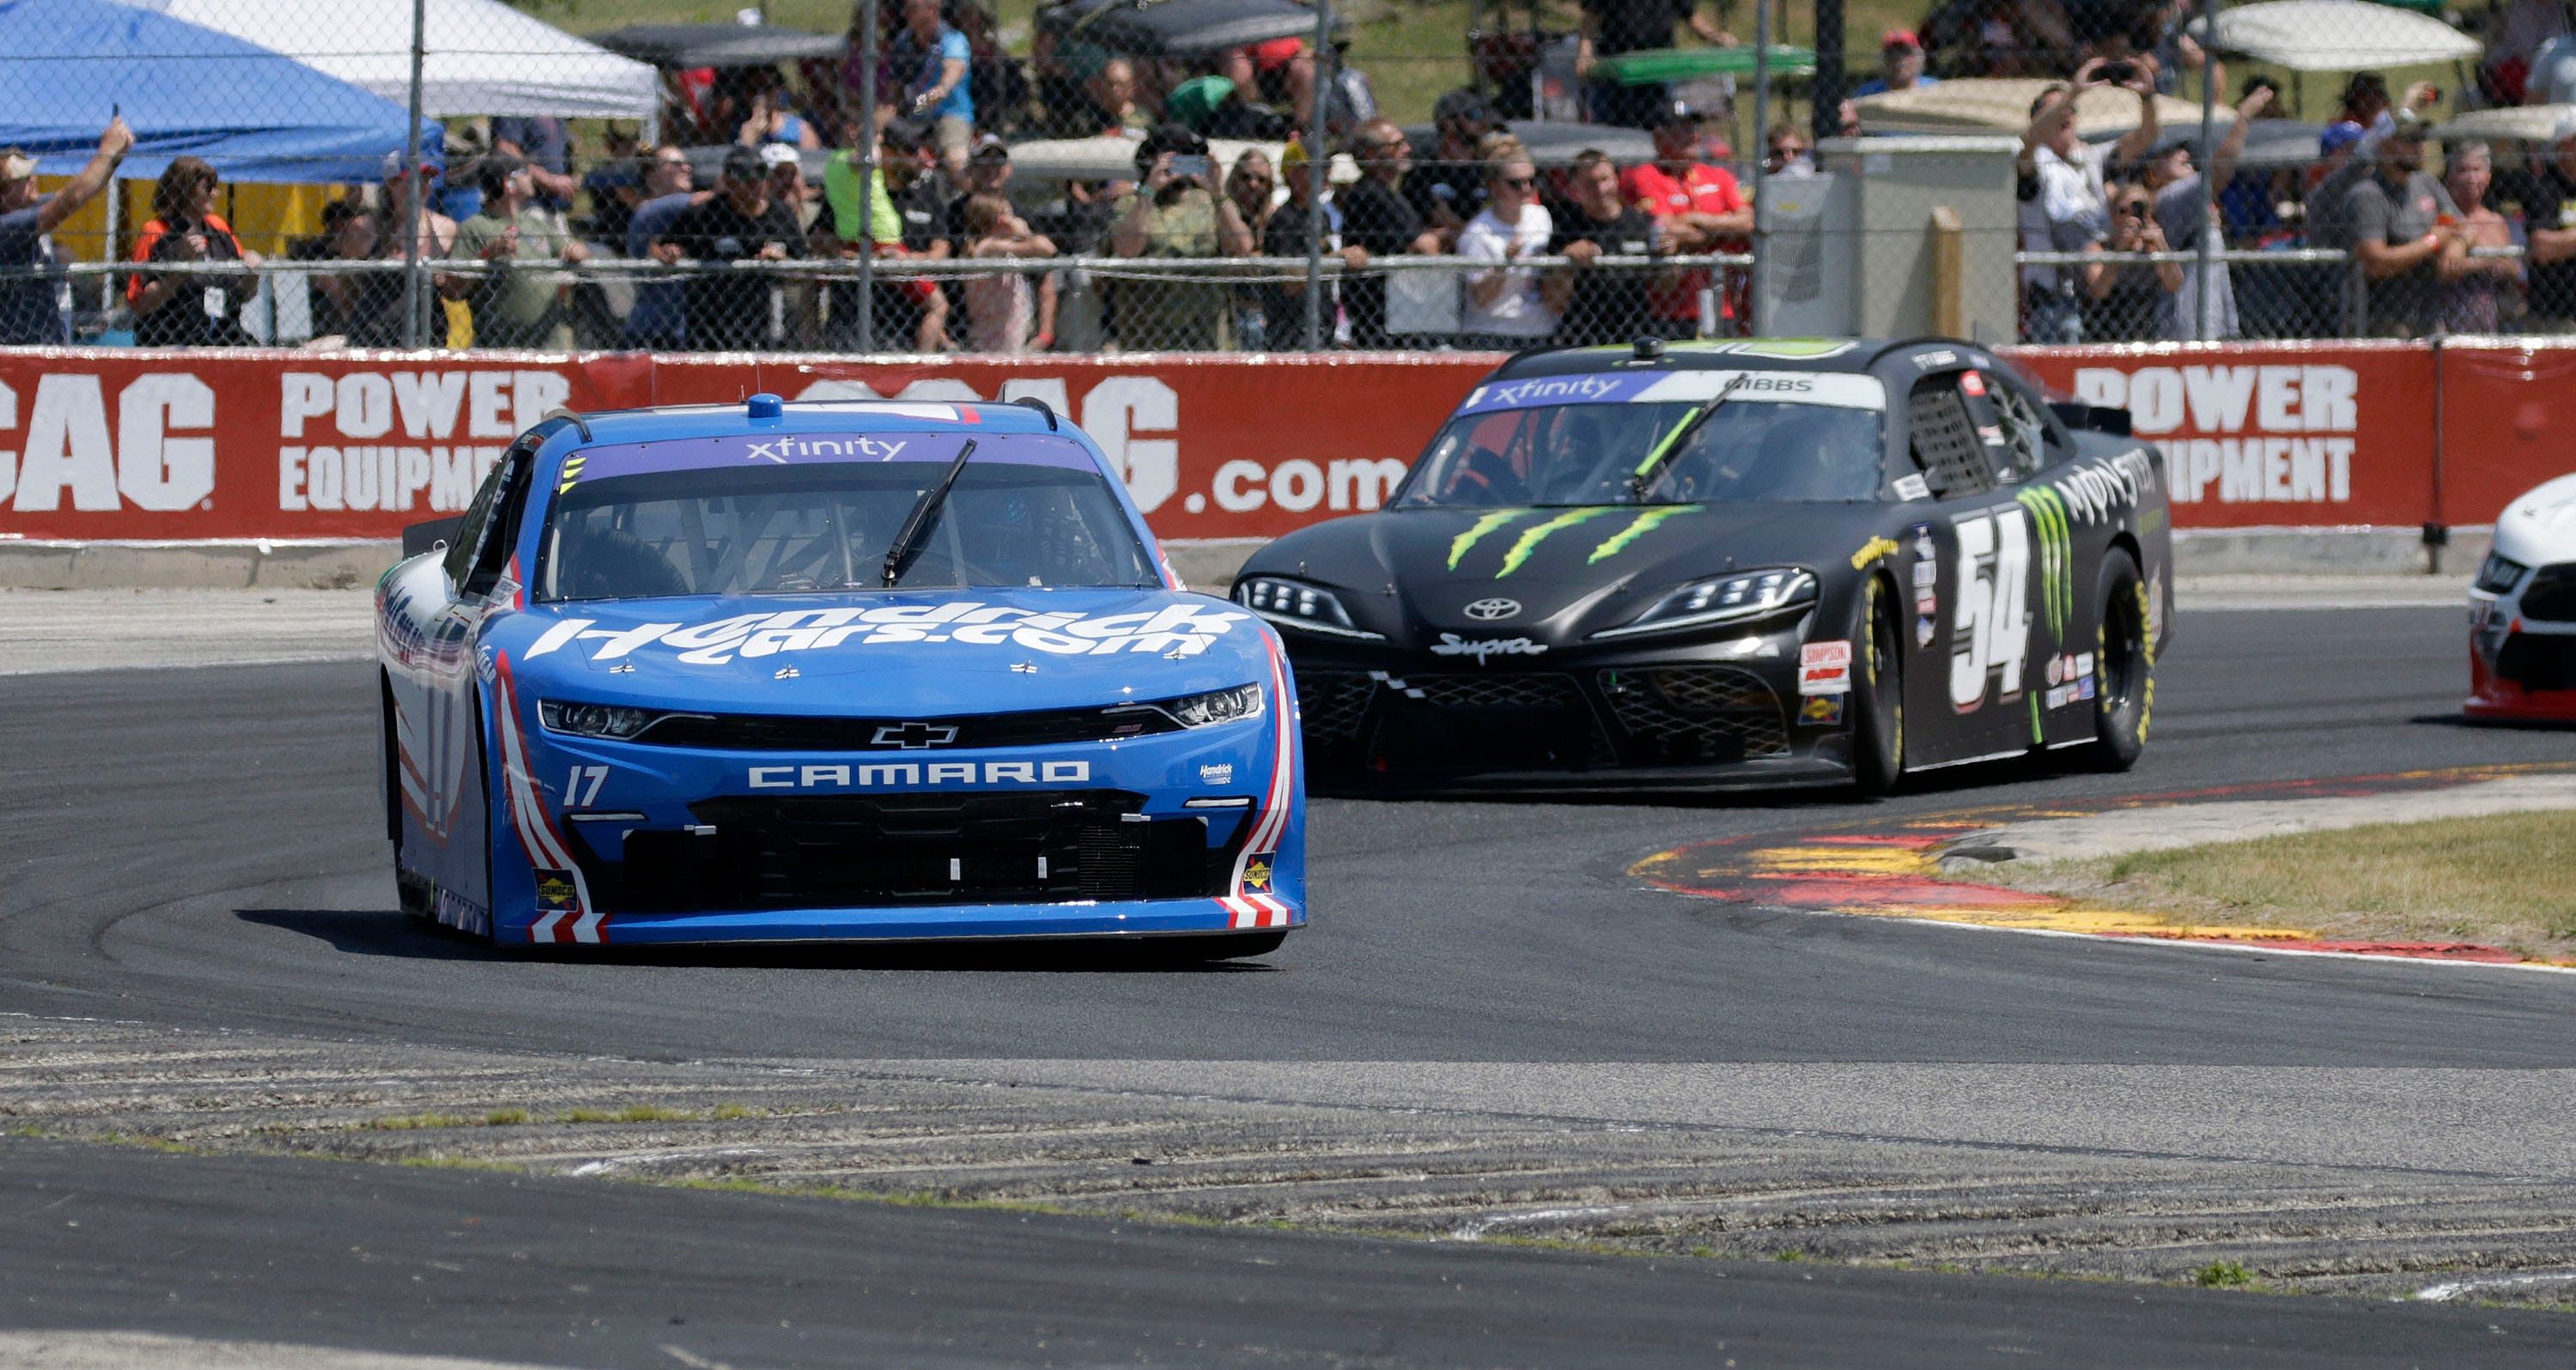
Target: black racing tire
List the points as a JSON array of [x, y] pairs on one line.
[[2124, 664], [1223, 946], [1878, 694]]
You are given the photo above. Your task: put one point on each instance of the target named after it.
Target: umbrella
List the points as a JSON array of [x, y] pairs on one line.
[[1177, 28], [2338, 35], [2000, 105], [717, 45]]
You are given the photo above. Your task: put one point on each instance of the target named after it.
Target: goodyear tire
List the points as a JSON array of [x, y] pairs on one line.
[[2124, 664], [1878, 695]]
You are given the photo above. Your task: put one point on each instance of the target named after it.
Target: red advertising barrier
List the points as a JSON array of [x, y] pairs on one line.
[[2508, 423], [123, 444], [2271, 434]]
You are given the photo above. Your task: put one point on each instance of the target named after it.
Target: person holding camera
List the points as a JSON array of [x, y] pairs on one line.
[[189, 309], [2063, 207], [1174, 213]]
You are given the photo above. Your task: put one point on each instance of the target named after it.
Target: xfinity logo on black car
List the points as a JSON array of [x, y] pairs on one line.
[[1488, 610], [915, 775], [911, 736], [1550, 388]]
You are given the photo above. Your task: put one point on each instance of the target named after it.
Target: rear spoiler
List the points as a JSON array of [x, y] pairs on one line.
[[2093, 418], [430, 536]]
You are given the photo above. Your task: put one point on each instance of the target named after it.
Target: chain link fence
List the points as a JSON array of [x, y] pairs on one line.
[[561, 174]]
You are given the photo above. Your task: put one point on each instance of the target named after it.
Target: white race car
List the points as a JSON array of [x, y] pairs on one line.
[[2522, 612]]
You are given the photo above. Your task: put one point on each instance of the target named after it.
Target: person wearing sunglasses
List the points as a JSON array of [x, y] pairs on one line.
[[1505, 308], [189, 309], [2122, 300]]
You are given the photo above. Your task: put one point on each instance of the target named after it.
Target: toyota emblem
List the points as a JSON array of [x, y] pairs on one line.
[[1488, 610]]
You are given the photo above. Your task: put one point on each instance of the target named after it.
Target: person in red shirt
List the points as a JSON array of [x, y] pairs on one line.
[[1701, 209]]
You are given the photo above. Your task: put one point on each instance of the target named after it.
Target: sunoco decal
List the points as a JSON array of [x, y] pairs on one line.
[[1178, 631]]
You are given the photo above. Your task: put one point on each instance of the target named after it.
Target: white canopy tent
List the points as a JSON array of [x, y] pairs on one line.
[[2338, 35], [2524, 123], [2002, 105], [483, 57]]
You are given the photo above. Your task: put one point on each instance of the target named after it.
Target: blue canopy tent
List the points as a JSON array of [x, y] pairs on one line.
[[65, 65]]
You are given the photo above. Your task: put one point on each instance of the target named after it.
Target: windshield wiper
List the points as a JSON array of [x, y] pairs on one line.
[[1652, 468], [898, 558]]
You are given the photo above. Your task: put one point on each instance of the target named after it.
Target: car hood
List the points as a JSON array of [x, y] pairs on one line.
[[917, 653], [1412, 574], [2539, 527]]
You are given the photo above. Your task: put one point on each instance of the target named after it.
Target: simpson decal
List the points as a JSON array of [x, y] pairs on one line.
[[1824, 668]]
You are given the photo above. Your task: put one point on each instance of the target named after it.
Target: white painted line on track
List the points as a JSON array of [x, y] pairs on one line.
[[2444, 1293]]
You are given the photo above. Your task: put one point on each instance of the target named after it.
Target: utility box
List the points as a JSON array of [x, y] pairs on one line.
[[1853, 250]]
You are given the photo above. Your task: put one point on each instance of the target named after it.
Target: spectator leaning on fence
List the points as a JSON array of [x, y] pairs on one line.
[[1172, 214], [1002, 313], [189, 309], [2125, 301], [988, 172], [2185, 210], [1285, 236], [1702, 210], [1594, 303], [516, 302], [1378, 221], [659, 318], [1505, 308], [2061, 198], [2476, 290], [2402, 222], [728, 307], [1249, 185], [376, 317], [35, 293], [2546, 192]]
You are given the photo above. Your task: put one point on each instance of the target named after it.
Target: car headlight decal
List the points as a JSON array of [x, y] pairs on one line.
[[1298, 605], [615, 721], [1737, 598]]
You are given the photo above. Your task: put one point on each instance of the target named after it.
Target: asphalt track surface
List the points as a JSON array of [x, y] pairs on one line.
[[203, 849]]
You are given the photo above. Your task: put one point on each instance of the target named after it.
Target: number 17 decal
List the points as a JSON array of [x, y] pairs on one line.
[[574, 795], [1991, 630]]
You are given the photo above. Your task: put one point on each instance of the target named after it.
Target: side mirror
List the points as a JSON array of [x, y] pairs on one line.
[[422, 538]]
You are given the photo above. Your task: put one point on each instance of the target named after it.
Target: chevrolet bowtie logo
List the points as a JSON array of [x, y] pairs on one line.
[[911, 736]]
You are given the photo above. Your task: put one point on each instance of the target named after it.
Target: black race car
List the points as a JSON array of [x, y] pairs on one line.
[[1733, 564]]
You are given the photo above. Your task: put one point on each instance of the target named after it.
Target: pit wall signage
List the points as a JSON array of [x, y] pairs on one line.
[[128, 444]]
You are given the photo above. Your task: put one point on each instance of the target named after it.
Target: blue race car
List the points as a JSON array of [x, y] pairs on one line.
[[829, 671]]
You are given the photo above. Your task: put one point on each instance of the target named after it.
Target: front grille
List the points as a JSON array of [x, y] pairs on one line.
[[1497, 722], [2538, 661], [2551, 596], [897, 850], [1695, 713], [1333, 704], [789, 733], [1507, 691]]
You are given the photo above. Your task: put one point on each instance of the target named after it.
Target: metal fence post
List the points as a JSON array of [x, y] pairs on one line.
[[412, 188], [1319, 169], [1761, 161], [2209, 187], [867, 169]]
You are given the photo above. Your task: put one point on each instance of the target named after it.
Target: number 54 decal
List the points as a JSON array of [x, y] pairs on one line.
[[1991, 631]]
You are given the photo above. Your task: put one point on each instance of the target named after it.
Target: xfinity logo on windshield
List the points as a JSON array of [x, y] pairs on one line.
[[780, 449], [915, 775], [1488, 610], [1550, 388]]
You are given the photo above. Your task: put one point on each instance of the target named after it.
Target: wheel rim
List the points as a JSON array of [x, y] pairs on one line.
[[1888, 705], [2121, 642]]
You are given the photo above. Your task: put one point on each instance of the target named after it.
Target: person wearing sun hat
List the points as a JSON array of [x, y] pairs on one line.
[[35, 307]]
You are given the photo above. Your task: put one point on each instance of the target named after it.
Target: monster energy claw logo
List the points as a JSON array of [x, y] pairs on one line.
[[2048, 519]]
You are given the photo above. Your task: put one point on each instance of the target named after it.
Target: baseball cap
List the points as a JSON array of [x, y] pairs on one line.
[[1293, 155], [2337, 137], [1900, 38], [1681, 112], [1462, 104], [16, 165], [497, 168], [744, 164], [775, 155], [990, 148]]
